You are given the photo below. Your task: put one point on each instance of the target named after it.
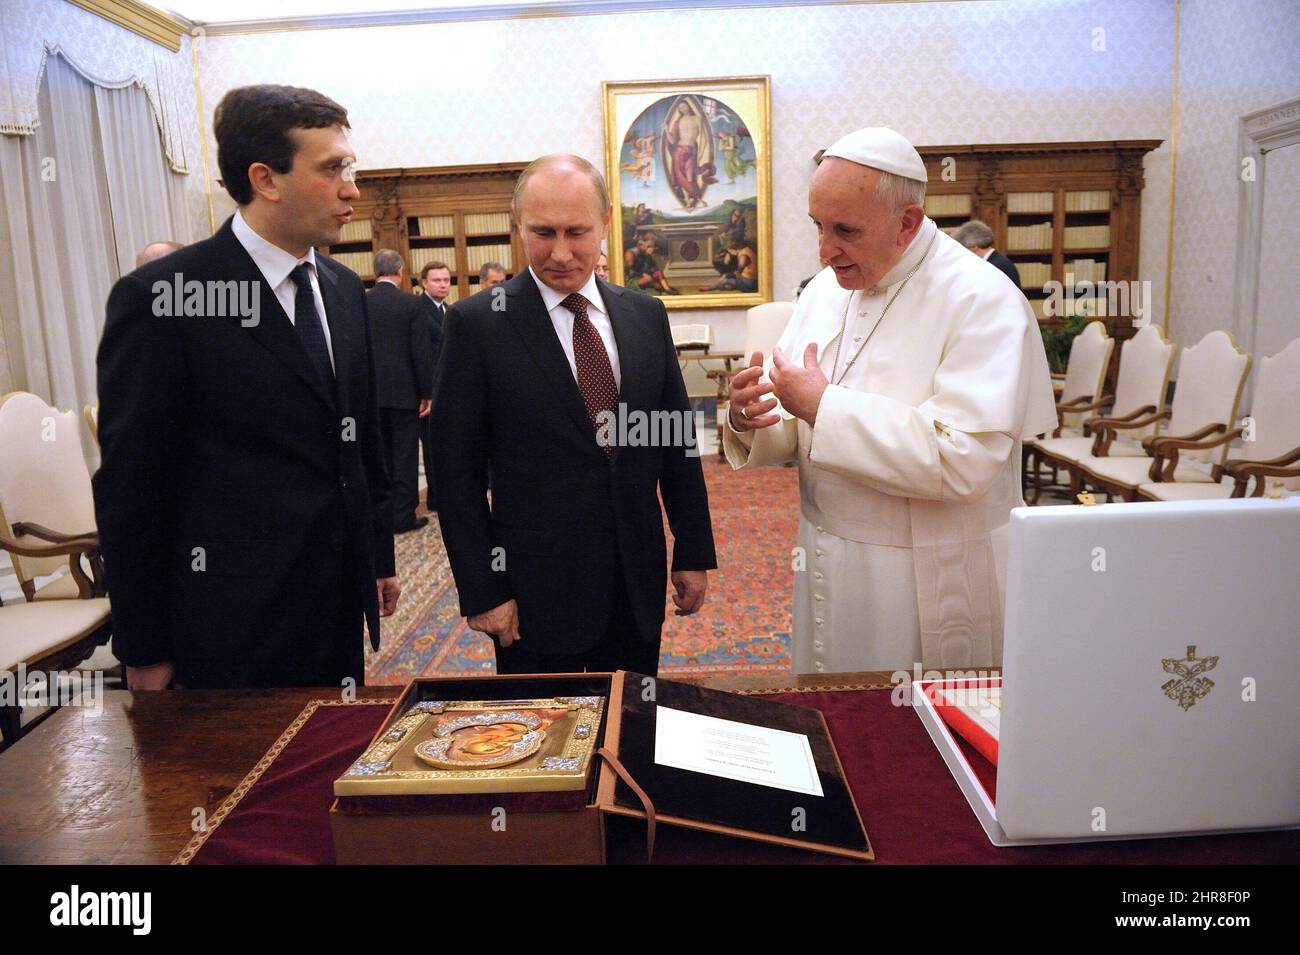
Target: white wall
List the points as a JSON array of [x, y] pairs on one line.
[[941, 73], [1235, 58]]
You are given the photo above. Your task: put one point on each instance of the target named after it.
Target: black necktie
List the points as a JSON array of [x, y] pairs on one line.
[[308, 322]]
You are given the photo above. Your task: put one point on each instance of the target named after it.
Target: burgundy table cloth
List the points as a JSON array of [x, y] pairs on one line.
[[913, 810]]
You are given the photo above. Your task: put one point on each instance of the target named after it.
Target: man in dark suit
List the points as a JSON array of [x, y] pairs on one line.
[[243, 501], [978, 237], [399, 334], [547, 383], [435, 279]]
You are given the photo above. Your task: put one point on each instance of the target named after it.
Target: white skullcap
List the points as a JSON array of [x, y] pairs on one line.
[[881, 148]]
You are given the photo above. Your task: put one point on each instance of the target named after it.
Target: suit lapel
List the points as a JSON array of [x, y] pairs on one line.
[[527, 315], [273, 331], [629, 335], [344, 333]]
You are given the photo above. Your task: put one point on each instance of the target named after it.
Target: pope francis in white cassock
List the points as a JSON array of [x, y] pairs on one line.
[[902, 387]]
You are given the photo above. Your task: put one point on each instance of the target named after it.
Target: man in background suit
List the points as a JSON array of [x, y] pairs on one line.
[[435, 279], [492, 273], [978, 237], [403, 380], [243, 501], [568, 568], [156, 250]]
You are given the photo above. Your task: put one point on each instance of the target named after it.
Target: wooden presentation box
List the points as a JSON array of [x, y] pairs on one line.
[[568, 827]]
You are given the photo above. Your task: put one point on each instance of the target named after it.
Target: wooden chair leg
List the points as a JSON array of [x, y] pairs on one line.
[[1035, 480]]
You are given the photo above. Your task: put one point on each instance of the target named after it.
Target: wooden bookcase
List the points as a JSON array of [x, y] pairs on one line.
[[459, 215], [1063, 212]]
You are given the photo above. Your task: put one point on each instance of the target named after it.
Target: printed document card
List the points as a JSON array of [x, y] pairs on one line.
[[739, 751]]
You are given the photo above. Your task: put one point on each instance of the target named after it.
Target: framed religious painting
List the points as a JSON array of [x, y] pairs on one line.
[[690, 176]]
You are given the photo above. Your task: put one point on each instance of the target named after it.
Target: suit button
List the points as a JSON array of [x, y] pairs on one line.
[[343, 483]]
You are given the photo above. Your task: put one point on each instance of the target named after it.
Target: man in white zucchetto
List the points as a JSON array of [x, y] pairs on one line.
[[902, 387]]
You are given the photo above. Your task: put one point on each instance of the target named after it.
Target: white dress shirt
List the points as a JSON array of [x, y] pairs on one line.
[[562, 319], [440, 306], [275, 264]]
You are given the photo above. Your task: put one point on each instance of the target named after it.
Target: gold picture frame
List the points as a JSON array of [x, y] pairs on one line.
[[689, 167]]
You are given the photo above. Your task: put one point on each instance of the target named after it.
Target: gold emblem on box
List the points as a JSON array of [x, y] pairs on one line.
[[480, 746], [1191, 684]]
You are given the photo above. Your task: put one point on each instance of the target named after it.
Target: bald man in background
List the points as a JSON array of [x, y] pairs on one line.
[[156, 250]]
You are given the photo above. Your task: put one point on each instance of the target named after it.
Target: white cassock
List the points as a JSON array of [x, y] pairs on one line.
[[907, 482]]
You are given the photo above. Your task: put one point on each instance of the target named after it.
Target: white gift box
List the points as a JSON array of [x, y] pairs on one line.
[[1151, 684]]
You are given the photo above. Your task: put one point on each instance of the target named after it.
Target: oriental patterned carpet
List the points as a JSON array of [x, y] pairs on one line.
[[744, 627]]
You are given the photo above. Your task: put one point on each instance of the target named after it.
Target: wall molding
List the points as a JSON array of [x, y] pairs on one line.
[[522, 10], [1259, 133], [140, 19]]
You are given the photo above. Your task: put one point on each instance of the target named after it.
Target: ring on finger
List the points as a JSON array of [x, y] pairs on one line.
[[744, 413]]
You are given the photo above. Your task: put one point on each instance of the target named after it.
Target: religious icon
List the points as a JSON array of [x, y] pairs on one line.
[[690, 183], [481, 746]]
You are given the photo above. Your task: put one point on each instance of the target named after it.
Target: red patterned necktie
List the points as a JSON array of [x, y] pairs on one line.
[[595, 376]]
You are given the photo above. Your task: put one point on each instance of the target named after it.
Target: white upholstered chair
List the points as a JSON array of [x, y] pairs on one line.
[[1272, 454], [1210, 381], [45, 490], [1084, 378], [1145, 361], [763, 327]]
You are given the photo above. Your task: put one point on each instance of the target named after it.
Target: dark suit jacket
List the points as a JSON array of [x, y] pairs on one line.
[[563, 513], [222, 437], [433, 324], [399, 336], [1000, 261]]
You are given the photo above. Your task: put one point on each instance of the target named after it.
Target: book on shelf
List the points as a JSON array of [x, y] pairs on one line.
[[1019, 203], [1029, 237], [363, 263], [1085, 270], [436, 227], [487, 223], [1095, 200], [954, 205], [1087, 236], [437, 253], [1034, 275], [358, 230], [477, 256]]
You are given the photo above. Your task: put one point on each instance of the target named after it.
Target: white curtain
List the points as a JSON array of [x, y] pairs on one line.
[[81, 196], [35, 31]]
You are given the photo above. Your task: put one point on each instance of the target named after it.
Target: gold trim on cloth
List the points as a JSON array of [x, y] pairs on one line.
[[838, 688], [191, 849]]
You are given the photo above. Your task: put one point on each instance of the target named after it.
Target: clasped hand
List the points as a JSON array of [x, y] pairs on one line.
[[798, 388]]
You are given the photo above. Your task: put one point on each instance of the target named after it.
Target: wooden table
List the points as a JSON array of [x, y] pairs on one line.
[[122, 786]]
